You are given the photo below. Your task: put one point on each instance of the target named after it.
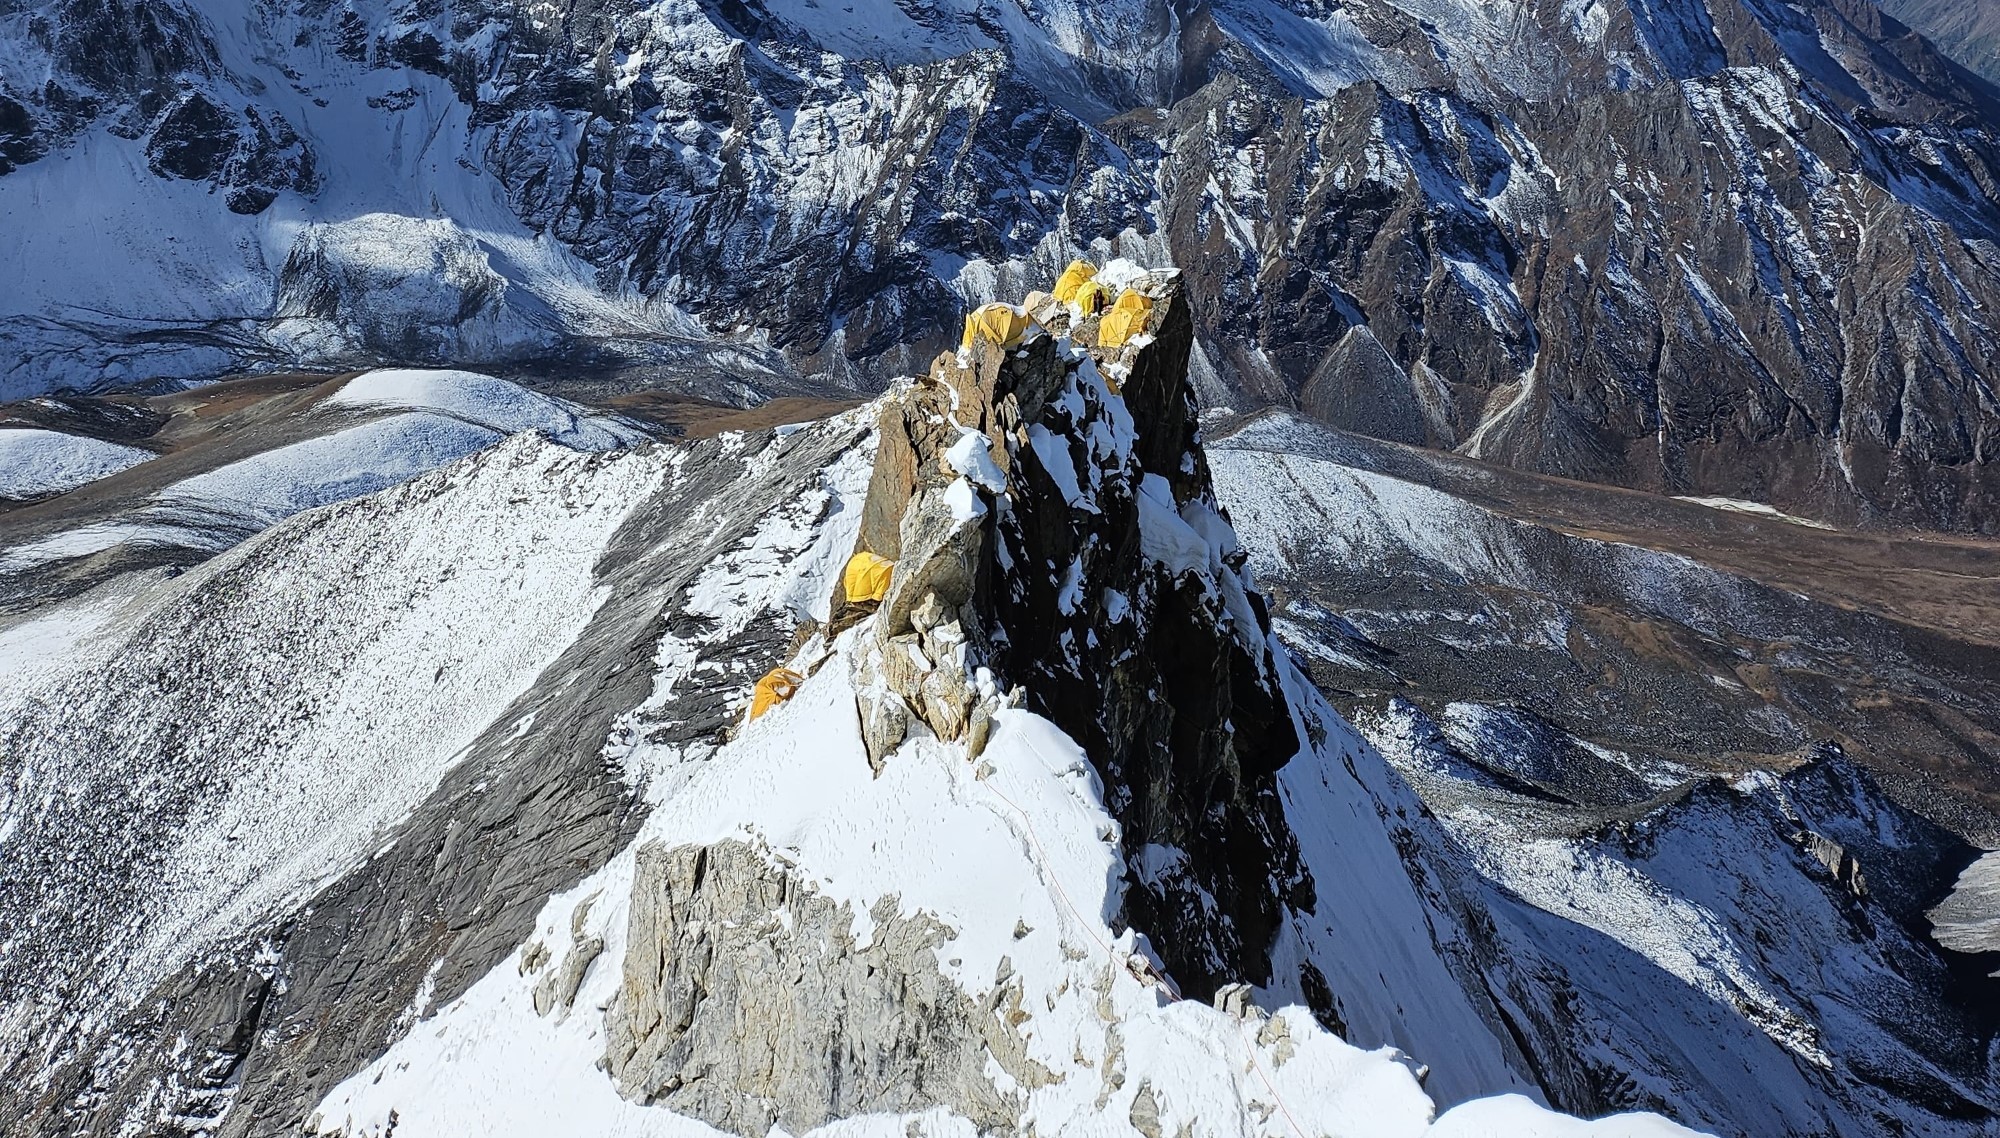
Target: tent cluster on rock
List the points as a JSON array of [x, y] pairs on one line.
[[1099, 308], [926, 487]]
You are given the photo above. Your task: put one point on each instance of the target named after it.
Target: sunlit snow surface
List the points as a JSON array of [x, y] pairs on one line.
[[1031, 817], [405, 624], [495, 404], [35, 463], [429, 418]]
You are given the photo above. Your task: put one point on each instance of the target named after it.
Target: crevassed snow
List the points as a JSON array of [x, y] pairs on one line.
[[884, 29], [484, 401], [1316, 56], [35, 463]]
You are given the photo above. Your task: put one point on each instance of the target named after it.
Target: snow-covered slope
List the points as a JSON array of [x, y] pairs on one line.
[[436, 811], [1105, 1044], [376, 430], [494, 404], [37, 463], [1678, 902], [730, 925]]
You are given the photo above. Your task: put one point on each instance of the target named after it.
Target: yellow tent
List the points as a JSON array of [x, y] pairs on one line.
[[866, 577], [1119, 326], [777, 686], [1003, 324], [1090, 298], [1126, 319], [1129, 301], [1072, 279]]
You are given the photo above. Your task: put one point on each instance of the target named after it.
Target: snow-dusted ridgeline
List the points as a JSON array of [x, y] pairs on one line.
[[376, 430], [1398, 221], [1663, 916], [38, 463], [401, 737], [1011, 855]]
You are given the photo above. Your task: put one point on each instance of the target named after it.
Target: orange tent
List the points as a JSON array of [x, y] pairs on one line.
[[777, 686]]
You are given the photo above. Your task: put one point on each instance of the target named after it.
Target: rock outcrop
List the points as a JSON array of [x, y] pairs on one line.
[[749, 1002], [1058, 546]]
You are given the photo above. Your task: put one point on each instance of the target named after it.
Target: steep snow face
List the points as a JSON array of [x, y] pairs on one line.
[[1744, 952], [266, 731], [1743, 1030], [1029, 930], [398, 287], [37, 463]]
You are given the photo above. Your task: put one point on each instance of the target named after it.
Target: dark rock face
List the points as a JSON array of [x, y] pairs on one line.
[[1158, 667], [194, 141], [18, 143], [152, 69], [248, 157]]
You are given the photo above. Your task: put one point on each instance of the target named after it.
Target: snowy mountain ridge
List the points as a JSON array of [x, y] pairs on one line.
[[492, 871], [438, 808]]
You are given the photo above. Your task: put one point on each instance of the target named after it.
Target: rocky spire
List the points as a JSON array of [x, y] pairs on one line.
[[1058, 545]]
